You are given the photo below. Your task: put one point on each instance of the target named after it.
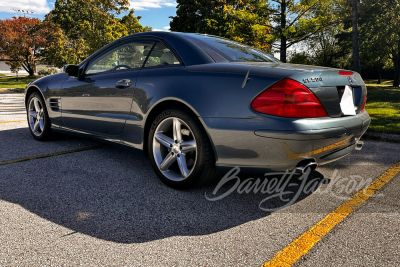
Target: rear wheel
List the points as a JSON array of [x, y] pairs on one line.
[[38, 119], [179, 150]]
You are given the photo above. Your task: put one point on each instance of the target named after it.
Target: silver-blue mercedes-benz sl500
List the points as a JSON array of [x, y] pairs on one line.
[[198, 105]]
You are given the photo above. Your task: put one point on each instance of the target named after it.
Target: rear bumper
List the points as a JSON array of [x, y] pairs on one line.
[[278, 144]]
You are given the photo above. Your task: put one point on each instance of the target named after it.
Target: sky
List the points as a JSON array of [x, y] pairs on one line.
[[155, 13]]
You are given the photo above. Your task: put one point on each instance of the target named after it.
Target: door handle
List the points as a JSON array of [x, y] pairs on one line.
[[123, 83]]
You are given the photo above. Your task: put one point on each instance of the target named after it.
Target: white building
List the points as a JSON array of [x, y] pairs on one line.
[[4, 68]]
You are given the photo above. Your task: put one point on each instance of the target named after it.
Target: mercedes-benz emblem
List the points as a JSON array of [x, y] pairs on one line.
[[350, 80]]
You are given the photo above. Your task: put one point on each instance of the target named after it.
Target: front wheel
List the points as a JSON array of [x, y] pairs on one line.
[[179, 150], [38, 119]]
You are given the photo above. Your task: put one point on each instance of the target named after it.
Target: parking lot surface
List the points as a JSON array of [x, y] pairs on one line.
[[105, 207]]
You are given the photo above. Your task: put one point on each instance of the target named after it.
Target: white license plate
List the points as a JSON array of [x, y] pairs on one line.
[[347, 102]]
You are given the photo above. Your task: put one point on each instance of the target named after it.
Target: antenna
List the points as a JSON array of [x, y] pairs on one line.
[[23, 11]]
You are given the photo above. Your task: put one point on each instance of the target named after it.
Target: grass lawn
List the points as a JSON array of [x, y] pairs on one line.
[[11, 82], [383, 105]]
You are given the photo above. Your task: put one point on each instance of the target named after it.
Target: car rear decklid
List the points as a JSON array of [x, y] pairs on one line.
[[328, 84]]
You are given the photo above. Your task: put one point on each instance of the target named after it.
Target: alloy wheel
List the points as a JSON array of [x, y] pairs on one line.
[[36, 116], [174, 149]]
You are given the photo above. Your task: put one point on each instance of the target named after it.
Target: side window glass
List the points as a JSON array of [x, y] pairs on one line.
[[161, 56], [126, 56]]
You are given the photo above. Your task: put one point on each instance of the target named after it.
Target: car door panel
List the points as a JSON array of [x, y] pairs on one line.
[[100, 100], [94, 104], [159, 78]]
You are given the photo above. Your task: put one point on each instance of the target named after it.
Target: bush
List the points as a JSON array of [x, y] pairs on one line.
[[44, 72], [48, 71]]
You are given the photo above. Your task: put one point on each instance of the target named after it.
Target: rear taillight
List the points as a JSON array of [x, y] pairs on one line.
[[365, 102], [346, 73], [288, 98]]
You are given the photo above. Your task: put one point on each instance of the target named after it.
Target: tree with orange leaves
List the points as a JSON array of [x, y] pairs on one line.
[[22, 40]]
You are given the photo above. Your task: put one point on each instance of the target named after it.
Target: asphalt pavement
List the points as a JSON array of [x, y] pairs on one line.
[[106, 207]]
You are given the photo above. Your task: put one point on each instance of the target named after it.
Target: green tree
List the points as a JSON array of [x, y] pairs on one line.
[[192, 15], [371, 53], [61, 50], [323, 49], [295, 21], [15, 66], [245, 21], [131, 24], [301, 58], [87, 25], [326, 50], [381, 28]]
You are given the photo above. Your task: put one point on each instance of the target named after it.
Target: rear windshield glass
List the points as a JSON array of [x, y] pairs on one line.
[[233, 51]]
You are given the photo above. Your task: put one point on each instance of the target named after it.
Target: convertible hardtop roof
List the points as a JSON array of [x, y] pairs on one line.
[[190, 53], [161, 34]]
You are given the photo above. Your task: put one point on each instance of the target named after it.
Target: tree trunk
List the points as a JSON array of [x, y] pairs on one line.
[[356, 52], [29, 69], [25, 67], [396, 63], [283, 49], [283, 26], [31, 64]]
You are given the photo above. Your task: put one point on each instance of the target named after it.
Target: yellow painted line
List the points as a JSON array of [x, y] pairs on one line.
[[10, 89], [50, 155], [11, 121], [11, 107], [299, 247]]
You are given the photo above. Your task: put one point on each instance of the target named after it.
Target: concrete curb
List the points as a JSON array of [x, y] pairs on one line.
[[382, 137]]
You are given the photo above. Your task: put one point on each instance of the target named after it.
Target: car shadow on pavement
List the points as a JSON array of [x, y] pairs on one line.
[[112, 194]]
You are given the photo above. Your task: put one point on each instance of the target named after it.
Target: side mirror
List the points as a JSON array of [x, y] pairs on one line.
[[71, 70]]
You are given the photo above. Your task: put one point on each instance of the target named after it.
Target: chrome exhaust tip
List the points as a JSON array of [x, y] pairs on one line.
[[359, 145], [303, 169]]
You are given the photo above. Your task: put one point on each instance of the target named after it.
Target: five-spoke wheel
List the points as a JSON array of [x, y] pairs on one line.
[[174, 149], [38, 119], [36, 116], [179, 149]]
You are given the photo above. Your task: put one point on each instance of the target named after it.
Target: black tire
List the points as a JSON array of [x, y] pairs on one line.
[[203, 169], [45, 134]]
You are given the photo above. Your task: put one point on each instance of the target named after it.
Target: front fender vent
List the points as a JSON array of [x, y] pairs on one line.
[[54, 104]]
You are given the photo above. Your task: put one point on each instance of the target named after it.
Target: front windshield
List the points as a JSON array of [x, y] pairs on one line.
[[235, 52]]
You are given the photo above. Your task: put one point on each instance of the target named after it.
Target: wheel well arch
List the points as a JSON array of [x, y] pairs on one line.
[[30, 90], [158, 109]]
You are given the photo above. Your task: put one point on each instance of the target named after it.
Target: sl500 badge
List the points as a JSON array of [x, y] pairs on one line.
[[318, 79]]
